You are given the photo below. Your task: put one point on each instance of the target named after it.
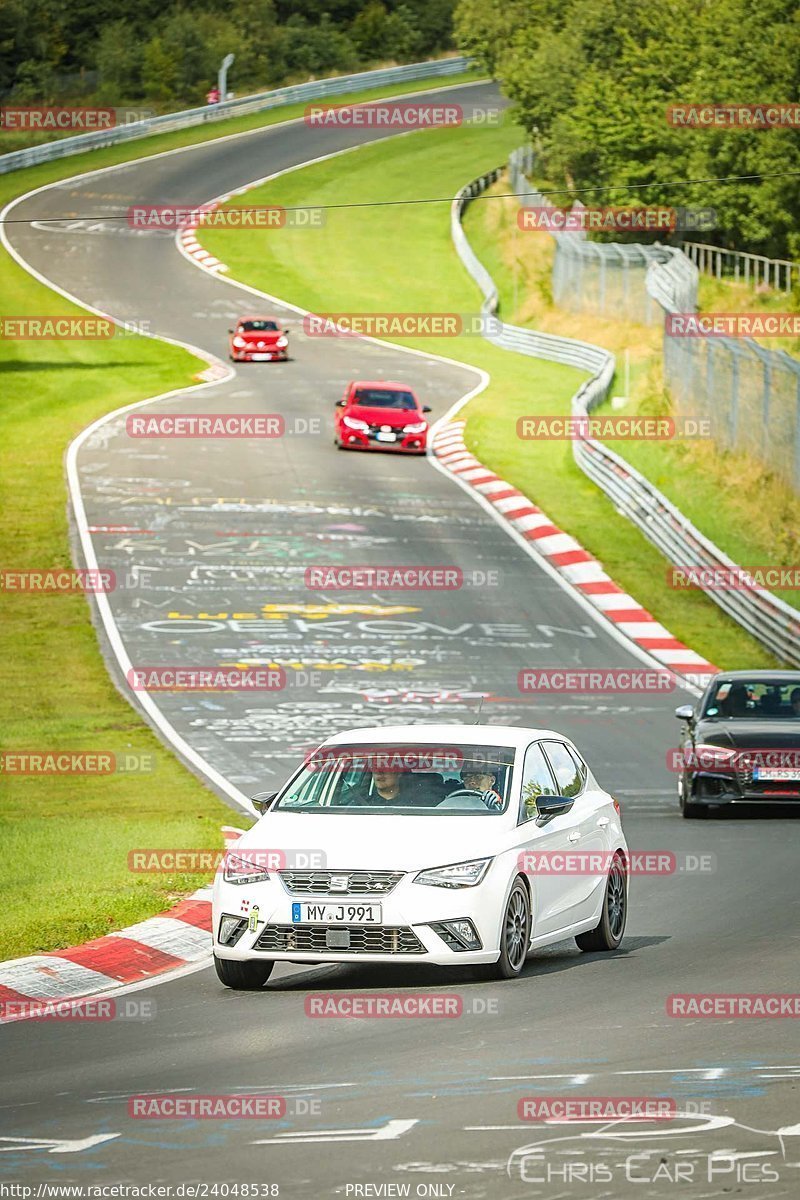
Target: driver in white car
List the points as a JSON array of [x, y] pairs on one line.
[[480, 777]]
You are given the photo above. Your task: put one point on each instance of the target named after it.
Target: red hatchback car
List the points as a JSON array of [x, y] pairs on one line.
[[381, 416], [258, 339]]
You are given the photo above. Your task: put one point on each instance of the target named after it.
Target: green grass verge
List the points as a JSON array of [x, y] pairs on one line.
[[63, 874], [405, 262]]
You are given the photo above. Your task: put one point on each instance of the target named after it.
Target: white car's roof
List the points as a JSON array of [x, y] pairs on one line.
[[443, 735]]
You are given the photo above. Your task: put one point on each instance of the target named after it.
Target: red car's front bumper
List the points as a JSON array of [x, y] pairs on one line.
[[407, 443], [259, 355]]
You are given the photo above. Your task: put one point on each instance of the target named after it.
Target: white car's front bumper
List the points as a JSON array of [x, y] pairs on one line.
[[405, 931]]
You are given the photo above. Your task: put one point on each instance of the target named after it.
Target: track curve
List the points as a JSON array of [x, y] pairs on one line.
[[231, 529]]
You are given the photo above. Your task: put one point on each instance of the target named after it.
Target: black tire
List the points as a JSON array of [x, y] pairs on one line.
[[515, 936], [243, 976], [689, 810], [611, 929]]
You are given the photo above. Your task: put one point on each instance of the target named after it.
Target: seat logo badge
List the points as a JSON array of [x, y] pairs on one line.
[[339, 883]]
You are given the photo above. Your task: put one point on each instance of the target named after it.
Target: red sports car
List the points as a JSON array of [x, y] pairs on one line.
[[258, 339], [381, 416]]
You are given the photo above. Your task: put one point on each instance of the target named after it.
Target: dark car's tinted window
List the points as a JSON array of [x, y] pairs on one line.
[[753, 700], [377, 398]]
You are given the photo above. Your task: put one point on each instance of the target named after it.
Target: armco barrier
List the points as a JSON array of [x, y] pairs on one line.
[[318, 89], [770, 620]]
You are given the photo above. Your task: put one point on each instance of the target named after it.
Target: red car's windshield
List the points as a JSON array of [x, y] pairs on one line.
[[377, 398], [259, 327]]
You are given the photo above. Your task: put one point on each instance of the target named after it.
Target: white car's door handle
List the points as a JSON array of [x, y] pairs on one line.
[[574, 836], [603, 821]]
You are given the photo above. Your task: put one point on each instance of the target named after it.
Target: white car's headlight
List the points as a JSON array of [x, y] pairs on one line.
[[354, 423], [458, 875], [237, 869], [417, 427]]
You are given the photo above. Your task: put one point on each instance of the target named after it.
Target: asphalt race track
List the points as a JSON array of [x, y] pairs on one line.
[[220, 534]]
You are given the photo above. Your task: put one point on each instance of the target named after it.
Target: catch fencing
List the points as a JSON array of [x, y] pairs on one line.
[[769, 619], [748, 394]]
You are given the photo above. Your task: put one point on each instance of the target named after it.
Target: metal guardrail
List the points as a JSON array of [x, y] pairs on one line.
[[317, 89], [750, 269], [770, 620]]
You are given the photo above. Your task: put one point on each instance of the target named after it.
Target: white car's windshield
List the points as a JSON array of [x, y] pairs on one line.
[[472, 779]]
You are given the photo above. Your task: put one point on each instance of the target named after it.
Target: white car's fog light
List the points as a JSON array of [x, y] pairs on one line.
[[231, 929], [460, 935]]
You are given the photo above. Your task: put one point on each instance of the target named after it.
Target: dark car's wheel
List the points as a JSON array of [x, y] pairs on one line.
[[689, 809], [608, 934], [515, 935], [243, 976]]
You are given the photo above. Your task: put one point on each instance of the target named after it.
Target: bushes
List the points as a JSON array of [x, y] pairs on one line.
[[592, 83], [169, 55]]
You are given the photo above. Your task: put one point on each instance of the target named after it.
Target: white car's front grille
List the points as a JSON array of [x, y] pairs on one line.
[[359, 939], [340, 883]]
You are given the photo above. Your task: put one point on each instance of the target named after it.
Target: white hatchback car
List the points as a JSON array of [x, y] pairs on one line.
[[445, 844]]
